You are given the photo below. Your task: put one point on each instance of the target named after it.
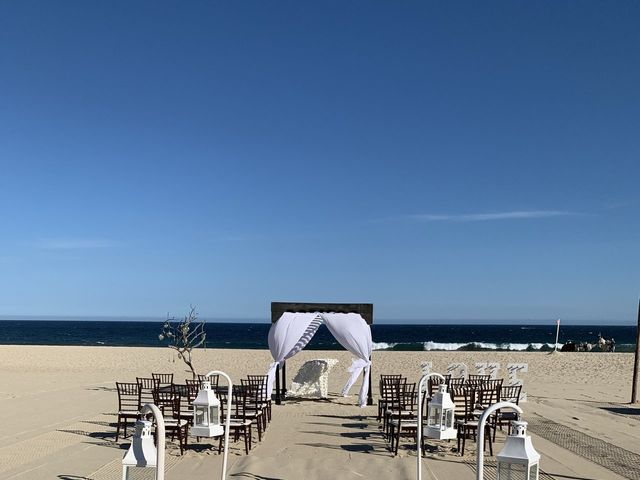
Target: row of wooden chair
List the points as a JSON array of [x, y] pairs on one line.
[[249, 406], [397, 406]]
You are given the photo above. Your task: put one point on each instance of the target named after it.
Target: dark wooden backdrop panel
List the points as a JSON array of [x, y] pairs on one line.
[[364, 309]]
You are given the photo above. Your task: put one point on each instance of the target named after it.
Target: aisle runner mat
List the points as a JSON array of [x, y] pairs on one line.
[[491, 470], [617, 459]]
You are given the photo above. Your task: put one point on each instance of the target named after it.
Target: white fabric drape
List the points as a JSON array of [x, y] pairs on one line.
[[292, 332], [288, 336], [353, 333]]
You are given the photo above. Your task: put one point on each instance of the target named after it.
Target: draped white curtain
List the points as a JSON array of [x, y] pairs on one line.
[[292, 332]]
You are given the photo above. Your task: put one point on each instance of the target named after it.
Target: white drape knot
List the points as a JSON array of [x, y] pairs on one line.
[[358, 364]]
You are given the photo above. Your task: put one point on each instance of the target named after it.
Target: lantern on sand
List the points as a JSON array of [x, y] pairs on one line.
[[206, 413], [440, 416], [142, 452], [518, 460]]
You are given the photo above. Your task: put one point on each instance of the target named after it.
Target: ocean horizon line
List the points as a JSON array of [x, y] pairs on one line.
[[379, 321]]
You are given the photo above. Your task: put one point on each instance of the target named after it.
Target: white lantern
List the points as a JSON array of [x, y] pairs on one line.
[[518, 460], [206, 413], [142, 452], [440, 416]]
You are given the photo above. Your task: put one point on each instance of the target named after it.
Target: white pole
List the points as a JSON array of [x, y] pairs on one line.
[[419, 433], [157, 414], [227, 423], [480, 441], [557, 333]]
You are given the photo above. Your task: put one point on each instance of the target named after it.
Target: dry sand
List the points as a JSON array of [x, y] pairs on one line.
[[57, 404]]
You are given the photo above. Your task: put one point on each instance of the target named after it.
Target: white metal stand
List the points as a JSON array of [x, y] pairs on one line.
[[419, 433], [157, 414], [227, 423], [481, 424]]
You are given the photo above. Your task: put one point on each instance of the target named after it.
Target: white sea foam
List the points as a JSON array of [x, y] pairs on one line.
[[383, 345], [484, 345], [452, 346], [443, 346]]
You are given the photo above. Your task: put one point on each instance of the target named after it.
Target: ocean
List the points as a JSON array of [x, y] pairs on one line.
[[418, 337]]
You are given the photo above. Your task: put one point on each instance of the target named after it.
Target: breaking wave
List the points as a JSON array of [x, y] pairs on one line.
[[464, 346], [383, 346]]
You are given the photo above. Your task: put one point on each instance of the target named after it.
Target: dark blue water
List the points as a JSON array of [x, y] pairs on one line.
[[254, 335]]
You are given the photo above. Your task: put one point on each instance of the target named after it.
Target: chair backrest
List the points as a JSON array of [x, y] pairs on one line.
[[456, 382], [240, 395], [433, 382], [163, 378], [407, 398], [494, 384], [186, 394], [254, 392], [164, 401], [464, 400], [128, 396], [511, 393], [258, 378], [197, 384], [478, 379], [486, 396], [260, 383], [390, 386], [212, 379], [192, 389], [147, 388]]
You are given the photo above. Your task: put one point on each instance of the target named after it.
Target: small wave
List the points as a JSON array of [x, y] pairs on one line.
[[383, 345], [486, 346]]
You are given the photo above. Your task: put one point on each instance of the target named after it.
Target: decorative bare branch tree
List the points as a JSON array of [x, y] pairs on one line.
[[184, 336]]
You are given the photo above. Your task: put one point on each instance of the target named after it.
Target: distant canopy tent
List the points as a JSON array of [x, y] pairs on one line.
[[294, 324]]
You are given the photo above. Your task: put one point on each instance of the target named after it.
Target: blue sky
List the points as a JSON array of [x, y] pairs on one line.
[[442, 160]]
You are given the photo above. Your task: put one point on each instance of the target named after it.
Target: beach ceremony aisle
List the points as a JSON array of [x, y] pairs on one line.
[[58, 407]]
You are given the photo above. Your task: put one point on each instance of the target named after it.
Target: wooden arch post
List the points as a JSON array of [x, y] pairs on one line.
[[365, 310], [636, 363]]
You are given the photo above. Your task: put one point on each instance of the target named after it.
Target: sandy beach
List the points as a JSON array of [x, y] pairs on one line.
[[57, 408]]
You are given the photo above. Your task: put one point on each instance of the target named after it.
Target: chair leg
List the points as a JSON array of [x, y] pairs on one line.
[[179, 432], [397, 441], [387, 419], [186, 435], [220, 444], [391, 440], [259, 425], [246, 444], [464, 439], [118, 428], [488, 435]]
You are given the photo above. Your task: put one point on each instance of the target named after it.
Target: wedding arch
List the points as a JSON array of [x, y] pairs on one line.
[[294, 324]]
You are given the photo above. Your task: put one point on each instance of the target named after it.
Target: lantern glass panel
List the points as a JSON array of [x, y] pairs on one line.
[[533, 472], [201, 415], [214, 415], [434, 417], [449, 420], [512, 471]]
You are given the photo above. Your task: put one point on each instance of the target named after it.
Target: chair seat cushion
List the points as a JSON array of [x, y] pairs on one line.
[[172, 422], [237, 422], [405, 423], [511, 415]]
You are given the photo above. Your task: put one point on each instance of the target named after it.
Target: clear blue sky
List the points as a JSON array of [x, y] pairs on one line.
[[442, 160]]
